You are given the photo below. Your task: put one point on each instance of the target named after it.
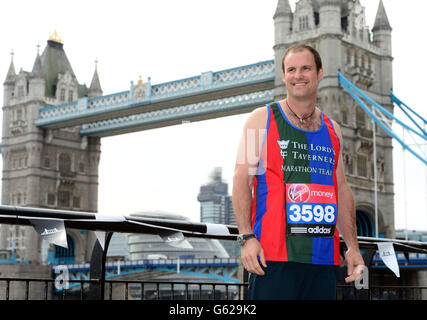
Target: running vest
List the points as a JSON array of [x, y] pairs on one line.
[[295, 199]]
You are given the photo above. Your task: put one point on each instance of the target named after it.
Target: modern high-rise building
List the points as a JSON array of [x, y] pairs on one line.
[[216, 206], [215, 202]]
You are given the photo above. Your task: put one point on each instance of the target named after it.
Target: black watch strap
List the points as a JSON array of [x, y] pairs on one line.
[[242, 238], [248, 236]]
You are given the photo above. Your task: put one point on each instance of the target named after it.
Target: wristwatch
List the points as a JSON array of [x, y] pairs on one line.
[[242, 238]]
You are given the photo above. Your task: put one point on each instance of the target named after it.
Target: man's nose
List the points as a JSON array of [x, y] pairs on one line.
[[298, 74]]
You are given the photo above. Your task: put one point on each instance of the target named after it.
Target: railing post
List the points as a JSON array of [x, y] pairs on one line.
[[7, 289], [368, 256], [97, 268], [246, 286], [243, 277]]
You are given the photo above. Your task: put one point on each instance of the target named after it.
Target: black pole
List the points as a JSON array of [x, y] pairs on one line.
[[97, 268], [246, 282]]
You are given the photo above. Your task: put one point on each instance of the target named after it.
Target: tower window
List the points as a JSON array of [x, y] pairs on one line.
[[348, 55], [62, 95], [362, 166], [344, 117], [19, 114], [76, 202], [64, 199], [63, 255], [51, 199], [70, 96], [64, 163], [303, 23], [19, 198], [360, 118], [348, 163], [46, 162], [20, 91]]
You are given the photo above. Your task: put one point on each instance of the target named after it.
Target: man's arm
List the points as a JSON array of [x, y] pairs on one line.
[[346, 222], [246, 165]]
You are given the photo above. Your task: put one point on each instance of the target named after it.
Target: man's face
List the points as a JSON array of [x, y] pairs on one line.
[[301, 76]]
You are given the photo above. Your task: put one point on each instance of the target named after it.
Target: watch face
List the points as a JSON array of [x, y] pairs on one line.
[[240, 240]]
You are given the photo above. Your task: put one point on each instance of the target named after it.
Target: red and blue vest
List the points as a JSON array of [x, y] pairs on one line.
[[295, 199]]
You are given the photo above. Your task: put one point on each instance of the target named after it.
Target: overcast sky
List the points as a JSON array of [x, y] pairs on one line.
[[162, 169]]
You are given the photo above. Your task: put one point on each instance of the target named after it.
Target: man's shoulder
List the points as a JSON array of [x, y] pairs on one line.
[[260, 112], [265, 109], [258, 117]]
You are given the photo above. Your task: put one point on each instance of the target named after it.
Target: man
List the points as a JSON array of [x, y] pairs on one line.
[[290, 194]]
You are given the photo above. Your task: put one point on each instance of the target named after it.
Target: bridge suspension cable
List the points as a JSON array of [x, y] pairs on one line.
[[401, 105], [385, 119]]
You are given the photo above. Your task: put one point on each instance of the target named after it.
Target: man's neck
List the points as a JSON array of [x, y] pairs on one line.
[[302, 107]]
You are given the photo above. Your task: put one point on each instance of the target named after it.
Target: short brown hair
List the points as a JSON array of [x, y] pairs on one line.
[[302, 47]]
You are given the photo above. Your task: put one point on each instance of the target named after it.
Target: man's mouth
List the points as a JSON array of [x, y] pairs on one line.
[[300, 84]]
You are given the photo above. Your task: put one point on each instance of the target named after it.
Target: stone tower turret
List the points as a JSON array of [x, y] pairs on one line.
[[331, 30], [46, 168], [382, 39], [283, 18], [37, 81], [330, 16], [95, 86], [9, 83]]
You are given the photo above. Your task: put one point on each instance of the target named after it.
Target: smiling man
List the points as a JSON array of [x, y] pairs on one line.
[[292, 199]]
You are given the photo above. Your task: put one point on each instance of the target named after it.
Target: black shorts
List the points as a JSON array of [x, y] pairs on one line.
[[294, 281]]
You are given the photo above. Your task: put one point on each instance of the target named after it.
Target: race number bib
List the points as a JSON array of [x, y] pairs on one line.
[[311, 210]]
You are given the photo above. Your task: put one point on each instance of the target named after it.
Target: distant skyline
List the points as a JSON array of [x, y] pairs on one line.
[[163, 169]]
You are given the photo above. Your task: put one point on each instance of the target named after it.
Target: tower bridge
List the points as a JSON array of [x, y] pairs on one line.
[[52, 125], [145, 106]]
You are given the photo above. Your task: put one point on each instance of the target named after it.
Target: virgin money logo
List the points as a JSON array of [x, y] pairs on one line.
[[299, 193]]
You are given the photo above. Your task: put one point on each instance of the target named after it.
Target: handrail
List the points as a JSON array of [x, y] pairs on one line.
[[134, 224]]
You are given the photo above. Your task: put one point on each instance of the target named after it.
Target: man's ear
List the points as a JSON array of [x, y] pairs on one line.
[[320, 74]]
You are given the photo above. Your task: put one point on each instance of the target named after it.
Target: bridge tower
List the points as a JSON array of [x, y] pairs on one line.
[[337, 29], [46, 168]]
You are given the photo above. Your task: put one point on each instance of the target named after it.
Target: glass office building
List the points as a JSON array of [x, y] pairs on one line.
[[216, 206]]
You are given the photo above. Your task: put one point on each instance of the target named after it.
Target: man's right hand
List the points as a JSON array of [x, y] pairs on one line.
[[250, 252]]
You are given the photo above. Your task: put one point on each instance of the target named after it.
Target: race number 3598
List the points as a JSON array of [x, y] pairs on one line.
[[311, 213]]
